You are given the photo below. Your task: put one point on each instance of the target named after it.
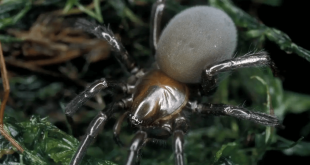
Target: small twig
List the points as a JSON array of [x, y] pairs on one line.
[[6, 87]]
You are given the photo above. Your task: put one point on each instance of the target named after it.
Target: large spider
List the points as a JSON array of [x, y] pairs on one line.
[[190, 51]]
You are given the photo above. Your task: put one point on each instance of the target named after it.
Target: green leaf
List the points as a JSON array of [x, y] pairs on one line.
[[269, 106], [300, 149], [289, 147], [49, 91], [291, 98], [225, 150], [31, 157], [4, 22], [7, 6], [260, 141], [124, 12], [69, 5], [43, 143]]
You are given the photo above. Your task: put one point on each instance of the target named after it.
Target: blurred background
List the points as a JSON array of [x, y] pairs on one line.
[[49, 62]]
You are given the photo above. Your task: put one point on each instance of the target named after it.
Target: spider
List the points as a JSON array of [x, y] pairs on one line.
[[190, 54]]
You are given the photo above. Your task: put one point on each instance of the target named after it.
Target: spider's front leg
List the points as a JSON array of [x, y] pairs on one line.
[[258, 59], [136, 144], [94, 127], [91, 91], [94, 89]]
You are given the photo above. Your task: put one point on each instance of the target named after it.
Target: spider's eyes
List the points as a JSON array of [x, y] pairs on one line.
[[134, 120]]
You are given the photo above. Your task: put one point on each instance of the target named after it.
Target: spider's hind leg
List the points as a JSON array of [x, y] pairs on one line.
[[235, 111], [209, 76]]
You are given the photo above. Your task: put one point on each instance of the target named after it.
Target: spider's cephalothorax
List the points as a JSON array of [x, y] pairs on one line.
[[157, 98], [193, 49]]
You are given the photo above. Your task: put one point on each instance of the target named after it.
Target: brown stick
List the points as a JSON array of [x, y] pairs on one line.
[[6, 87]]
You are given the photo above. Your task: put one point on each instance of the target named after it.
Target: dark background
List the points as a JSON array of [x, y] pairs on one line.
[[291, 18]]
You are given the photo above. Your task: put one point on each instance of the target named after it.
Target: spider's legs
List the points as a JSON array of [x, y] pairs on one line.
[[178, 140], [235, 111], [209, 76], [176, 127], [157, 12], [93, 129], [118, 125], [92, 90], [105, 33], [117, 129], [136, 144], [178, 143]]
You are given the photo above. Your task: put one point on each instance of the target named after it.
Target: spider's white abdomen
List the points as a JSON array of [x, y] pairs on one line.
[[193, 40]]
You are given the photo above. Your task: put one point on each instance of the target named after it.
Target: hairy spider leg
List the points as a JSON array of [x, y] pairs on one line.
[[258, 59], [235, 111], [94, 89], [123, 57], [6, 91], [105, 33], [94, 128], [156, 15]]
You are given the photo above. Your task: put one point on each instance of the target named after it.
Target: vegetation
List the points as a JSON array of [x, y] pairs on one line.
[[49, 62]]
